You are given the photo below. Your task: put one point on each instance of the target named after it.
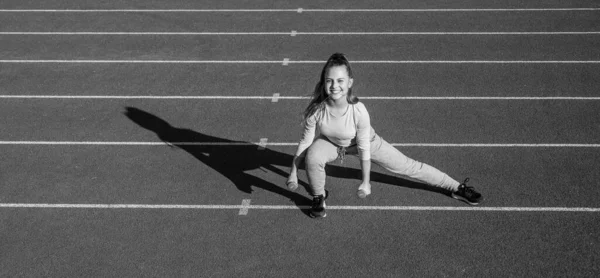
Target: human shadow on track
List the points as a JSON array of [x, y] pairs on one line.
[[233, 158]]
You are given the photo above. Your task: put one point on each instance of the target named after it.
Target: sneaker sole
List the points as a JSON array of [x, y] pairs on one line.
[[323, 213], [317, 216], [460, 198]]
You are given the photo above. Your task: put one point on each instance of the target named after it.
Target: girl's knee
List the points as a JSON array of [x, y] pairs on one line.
[[320, 153], [313, 160]]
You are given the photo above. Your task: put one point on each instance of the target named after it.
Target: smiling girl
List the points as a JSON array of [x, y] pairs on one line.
[[344, 128]]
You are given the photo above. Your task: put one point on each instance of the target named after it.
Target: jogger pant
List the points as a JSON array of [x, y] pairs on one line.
[[322, 151]]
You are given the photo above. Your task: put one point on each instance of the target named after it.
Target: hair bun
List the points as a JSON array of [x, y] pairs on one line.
[[338, 56]]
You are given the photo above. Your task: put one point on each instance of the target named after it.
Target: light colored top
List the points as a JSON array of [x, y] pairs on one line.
[[353, 127]]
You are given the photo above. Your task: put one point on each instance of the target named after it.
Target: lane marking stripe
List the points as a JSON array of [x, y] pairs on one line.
[[297, 10], [246, 206], [306, 61], [263, 144], [277, 96], [151, 61], [294, 33]]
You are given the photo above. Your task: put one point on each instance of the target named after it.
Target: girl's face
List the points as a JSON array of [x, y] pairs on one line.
[[337, 82]]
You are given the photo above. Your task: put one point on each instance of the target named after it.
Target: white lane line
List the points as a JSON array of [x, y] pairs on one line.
[[447, 33], [142, 10], [479, 98], [263, 144], [149, 61], [121, 143], [454, 10], [292, 33], [297, 10], [150, 33], [465, 62], [286, 61], [146, 97], [496, 145], [245, 206], [277, 96], [117, 206], [302, 62]]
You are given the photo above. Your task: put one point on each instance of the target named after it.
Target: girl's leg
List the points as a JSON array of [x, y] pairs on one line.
[[390, 158], [318, 155]]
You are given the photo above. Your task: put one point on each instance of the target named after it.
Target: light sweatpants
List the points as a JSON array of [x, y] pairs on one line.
[[322, 151]]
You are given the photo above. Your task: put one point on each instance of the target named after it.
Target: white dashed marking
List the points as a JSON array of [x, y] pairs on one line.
[[275, 97], [245, 207], [262, 144]]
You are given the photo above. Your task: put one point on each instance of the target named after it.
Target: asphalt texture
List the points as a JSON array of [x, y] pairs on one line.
[[471, 80], [75, 242]]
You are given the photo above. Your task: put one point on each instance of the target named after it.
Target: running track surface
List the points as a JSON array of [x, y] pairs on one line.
[[53, 152]]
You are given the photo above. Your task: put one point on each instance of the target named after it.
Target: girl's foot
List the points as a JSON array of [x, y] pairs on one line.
[[467, 194], [317, 210]]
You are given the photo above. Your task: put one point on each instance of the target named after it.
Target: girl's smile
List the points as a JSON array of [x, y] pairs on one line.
[[337, 82]]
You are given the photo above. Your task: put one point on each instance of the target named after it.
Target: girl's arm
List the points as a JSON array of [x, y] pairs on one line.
[[365, 165], [308, 135], [364, 189], [363, 138], [295, 165]]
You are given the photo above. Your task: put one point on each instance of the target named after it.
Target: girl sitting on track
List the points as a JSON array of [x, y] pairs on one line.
[[345, 128]]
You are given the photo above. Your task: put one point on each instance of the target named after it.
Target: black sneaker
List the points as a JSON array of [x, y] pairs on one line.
[[318, 205], [467, 194]]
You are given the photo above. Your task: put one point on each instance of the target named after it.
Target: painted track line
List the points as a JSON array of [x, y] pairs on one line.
[[480, 98], [299, 61], [292, 33], [298, 10], [266, 144], [149, 33], [276, 97], [146, 61], [245, 207]]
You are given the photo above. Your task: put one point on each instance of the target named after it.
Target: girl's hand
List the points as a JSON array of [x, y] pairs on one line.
[[292, 182], [364, 190]]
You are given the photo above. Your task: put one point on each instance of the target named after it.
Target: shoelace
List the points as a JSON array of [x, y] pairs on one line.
[[468, 189], [317, 201], [341, 154], [465, 182]]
